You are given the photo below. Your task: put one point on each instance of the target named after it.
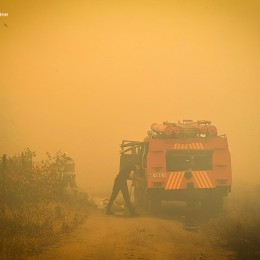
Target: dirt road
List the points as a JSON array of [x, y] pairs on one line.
[[142, 237]]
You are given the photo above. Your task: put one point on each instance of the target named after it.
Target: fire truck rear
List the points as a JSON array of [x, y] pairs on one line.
[[183, 161]]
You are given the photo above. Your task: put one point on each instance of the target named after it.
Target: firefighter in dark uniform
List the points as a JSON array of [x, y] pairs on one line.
[[120, 184], [69, 175]]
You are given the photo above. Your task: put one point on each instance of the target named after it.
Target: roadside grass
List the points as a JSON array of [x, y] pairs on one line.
[[34, 207], [239, 227], [28, 230]]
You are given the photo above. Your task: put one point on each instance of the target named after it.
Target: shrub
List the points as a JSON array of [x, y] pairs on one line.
[[34, 207], [240, 228]]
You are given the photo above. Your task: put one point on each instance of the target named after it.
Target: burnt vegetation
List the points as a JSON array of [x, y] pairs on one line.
[[35, 207], [238, 228]]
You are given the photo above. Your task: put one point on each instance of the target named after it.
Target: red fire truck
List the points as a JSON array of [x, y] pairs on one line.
[[183, 161]]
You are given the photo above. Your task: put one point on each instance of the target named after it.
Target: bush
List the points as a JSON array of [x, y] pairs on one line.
[[34, 206], [24, 180], [240, 228]]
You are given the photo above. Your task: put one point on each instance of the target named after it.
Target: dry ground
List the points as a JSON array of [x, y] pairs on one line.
[[143, 237]]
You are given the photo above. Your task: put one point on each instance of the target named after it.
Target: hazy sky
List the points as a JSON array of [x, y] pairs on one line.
[[80, 76]]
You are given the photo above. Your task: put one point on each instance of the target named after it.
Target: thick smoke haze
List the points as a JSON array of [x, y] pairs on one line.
[[80, 76]]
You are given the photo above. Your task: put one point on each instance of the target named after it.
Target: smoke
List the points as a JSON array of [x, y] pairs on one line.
[[81, 76]]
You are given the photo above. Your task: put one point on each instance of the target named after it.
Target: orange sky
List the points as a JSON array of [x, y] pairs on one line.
[[80, 76]]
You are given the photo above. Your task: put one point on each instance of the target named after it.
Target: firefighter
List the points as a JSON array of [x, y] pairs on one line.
[[120, 184], [69, 176]]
